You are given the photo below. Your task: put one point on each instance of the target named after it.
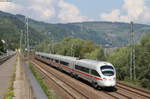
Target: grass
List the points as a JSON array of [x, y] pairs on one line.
[[43, 85], [10, 93], [132, 83]]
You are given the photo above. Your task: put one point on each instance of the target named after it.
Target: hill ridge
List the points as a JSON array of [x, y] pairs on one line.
[[111, 34]]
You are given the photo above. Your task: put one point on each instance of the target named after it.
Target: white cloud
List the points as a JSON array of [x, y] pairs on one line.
[[69, 12], [113, 16], [135, 10], [45, 10], [40, 13], [36, 9], [9, 7]]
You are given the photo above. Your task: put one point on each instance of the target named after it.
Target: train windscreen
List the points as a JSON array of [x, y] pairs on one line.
[[107, 70]]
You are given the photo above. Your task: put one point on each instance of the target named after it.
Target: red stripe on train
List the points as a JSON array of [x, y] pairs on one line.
[[97, 78]]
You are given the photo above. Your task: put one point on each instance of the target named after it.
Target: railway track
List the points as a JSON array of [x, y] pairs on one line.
[[143, 93], [3, 59], [89, 92], [120, 93], [71, 91]]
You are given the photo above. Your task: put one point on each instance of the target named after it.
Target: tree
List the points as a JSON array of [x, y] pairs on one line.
[[1, 47], [143, 61], [74, 47], [120, 59], [97, 54]]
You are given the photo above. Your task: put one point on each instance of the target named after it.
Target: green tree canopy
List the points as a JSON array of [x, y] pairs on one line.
[[73, 47], [121, 59], [1, 47]]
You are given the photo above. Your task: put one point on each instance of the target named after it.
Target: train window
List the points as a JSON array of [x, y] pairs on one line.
[[84, 69], [106, 67], [56, 61], [64, 63], [77, 67], [107, 70], [95, 73], [108, 73], [47, 57]]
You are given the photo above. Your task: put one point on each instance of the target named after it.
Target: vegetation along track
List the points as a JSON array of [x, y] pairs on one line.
[[94, 94]]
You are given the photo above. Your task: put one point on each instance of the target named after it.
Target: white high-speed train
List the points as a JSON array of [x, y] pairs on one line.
[[98, 73]]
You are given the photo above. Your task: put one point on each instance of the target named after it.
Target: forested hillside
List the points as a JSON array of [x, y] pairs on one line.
[[103, 33], [10, 30]]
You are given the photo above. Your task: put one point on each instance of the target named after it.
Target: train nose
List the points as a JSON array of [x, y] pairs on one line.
[[108, 82]]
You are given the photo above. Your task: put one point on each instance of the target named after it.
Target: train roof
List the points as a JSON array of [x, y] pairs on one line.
[[89, 63], [58, 57], [68, 59]]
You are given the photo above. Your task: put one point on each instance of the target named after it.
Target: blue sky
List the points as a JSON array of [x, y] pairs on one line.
[[92, 8], [65, 11]]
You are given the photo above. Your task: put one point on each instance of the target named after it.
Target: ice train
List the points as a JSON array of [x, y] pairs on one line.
[[98, 73]]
